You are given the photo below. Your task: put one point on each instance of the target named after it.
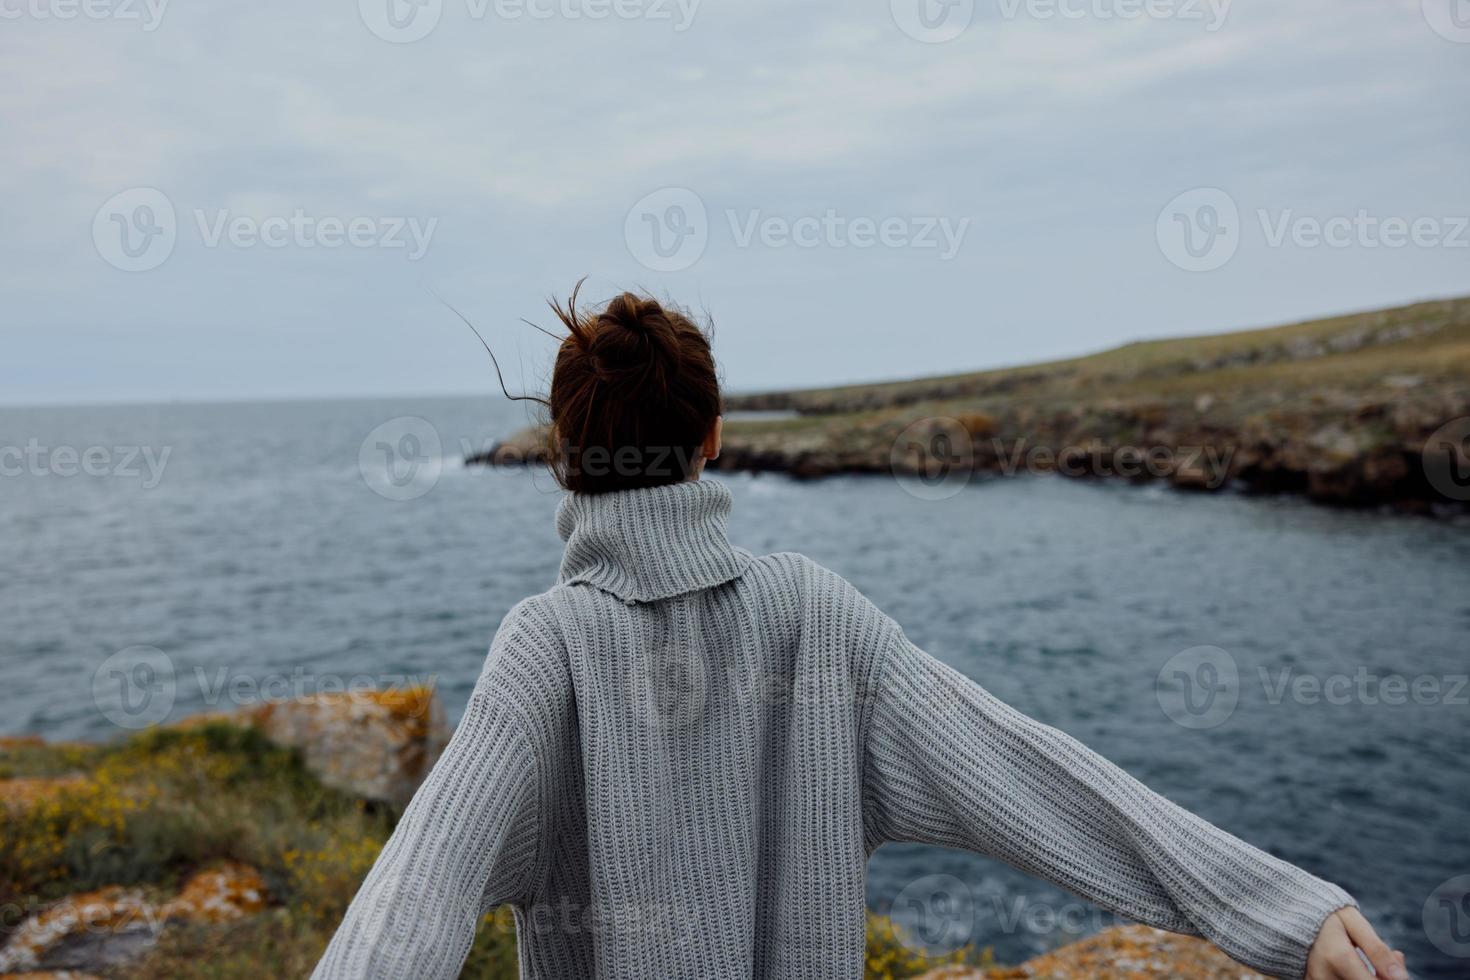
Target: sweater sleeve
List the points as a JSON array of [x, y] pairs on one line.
[[949, 764], [465, 843]]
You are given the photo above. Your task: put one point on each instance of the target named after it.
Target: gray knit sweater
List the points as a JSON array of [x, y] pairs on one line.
[[678, 760]]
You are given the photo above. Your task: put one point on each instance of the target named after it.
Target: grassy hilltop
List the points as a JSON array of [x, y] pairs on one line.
[[1338, 409], [1356, 351]]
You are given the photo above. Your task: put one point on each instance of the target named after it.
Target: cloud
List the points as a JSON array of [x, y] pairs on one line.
[[1059, 138]]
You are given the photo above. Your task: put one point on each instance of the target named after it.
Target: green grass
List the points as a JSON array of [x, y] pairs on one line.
[[1176, 367], [165, 803]]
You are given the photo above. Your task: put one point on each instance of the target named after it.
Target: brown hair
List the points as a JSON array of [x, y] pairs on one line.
[[633, 395]]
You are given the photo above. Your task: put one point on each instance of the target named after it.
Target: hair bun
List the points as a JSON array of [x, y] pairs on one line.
[[634, 339], [638, 314], [634, 374]]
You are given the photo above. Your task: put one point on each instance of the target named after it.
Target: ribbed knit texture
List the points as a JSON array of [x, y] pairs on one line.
[[678, 760]]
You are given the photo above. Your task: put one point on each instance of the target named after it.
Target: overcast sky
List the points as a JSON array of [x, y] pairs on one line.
[[205, 200]]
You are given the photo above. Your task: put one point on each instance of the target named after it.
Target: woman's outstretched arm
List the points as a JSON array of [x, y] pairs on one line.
[[466, 843], [949, 764]]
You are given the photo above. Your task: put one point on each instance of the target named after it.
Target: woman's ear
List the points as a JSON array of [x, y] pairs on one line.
[[711, 447]]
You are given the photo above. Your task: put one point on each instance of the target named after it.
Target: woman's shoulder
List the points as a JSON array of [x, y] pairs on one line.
[[817, 589], [796, 569]]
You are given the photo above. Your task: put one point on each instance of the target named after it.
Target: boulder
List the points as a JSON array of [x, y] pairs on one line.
[[375, 744]]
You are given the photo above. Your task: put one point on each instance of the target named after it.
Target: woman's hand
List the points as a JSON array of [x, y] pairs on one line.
[[1334, 954]]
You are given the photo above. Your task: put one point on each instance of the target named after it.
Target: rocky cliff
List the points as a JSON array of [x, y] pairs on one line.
[[1362, 410]]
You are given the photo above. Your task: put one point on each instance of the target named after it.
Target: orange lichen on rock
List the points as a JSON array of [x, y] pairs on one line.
[[377, 744], [220, 894], [1120, 953], [227, 892], [412, 701], [111, 909]]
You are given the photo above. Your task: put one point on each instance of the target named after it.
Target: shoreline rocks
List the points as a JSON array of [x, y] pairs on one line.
[[1335, 467]]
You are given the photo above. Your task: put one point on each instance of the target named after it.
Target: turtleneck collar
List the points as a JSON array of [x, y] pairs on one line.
[[651, 543]]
